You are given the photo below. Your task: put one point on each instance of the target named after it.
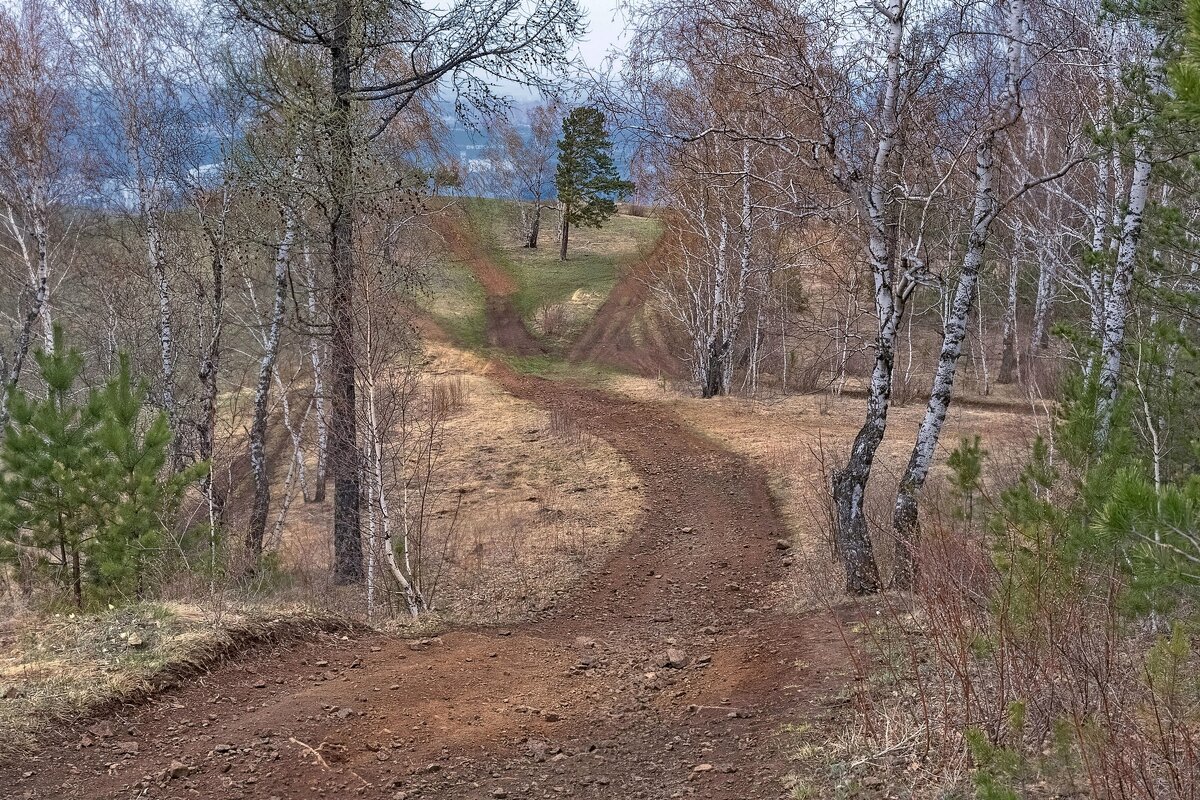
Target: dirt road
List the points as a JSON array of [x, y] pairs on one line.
[[666, 674]]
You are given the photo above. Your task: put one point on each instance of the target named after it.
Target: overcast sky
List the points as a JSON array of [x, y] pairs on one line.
[[604, 30]]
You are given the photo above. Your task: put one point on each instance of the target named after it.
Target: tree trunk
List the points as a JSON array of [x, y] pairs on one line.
[[566, 230], [905, 520], [206, 426], [316, 360], [343, 443], [535, 227], [77, 578], [1008, 334], [849, 484], [1040, 339], [261, 505], [1116, 305], [166, 338]]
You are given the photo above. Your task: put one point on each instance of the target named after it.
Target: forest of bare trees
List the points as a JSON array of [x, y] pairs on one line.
[[223, 228]]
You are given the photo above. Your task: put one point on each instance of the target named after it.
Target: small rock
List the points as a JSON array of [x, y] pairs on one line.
[[499, 793], [135, 640], [127, 748], [674, 658], [783, 544], [178, 769], [702, 768]]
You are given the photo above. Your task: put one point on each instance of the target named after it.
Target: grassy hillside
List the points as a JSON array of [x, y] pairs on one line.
[[556, 299]]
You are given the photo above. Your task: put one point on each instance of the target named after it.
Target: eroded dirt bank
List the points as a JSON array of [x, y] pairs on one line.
[[581, 702]]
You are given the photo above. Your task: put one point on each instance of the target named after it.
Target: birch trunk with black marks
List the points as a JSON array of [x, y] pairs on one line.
[[316, 360], [905, 518], [260, 507], [39, 290], [1100, 226], [1116, 301], [166, 336], [1047, 277], [849, 484]]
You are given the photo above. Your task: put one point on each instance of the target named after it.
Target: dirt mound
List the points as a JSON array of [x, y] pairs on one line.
[[610, 336]]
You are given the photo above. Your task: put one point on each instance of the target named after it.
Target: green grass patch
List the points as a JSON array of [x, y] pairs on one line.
[[580, 284], [456, 301]]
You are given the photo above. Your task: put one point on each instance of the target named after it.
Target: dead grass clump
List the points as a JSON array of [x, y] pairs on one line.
[[447, 395], [564, 427], [552, 320]]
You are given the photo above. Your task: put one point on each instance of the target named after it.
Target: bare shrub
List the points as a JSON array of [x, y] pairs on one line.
[[1039, 682], [553, 319]]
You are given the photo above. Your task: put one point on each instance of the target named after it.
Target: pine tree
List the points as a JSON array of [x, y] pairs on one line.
[[139, 494], [85, 493], [587, 181], [48, 465]]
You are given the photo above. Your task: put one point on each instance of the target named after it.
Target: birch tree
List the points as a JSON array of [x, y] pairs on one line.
[[40, 175], [522, 164], [996, 117]]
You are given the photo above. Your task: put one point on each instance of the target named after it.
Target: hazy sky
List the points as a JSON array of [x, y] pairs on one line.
[[604, 30]]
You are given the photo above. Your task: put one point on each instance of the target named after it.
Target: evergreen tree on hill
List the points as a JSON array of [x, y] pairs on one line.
[[587, 181]]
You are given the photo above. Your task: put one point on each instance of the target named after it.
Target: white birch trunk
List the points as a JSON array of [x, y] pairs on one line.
[[261, 505], [1116, 305], [905, 520]]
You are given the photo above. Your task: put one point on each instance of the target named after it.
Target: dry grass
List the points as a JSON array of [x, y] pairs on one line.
[[67, 666], [524, 502], [798, 438]]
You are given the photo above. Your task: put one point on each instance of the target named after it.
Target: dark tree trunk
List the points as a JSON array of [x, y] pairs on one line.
[[206, 427], [1008, 360], [77, 579], [852, 538], [343, 441], [849, 484], [566, 230], [714, 371], [535, 227]]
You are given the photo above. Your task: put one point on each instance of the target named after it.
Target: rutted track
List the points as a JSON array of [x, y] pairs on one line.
[[578, 703]]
